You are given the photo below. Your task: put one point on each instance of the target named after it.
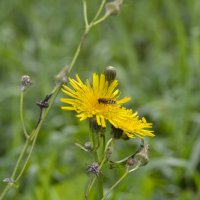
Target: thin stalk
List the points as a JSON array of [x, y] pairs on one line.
[[100, 166], [105, 151], [99, 10], [85, 13], [103, 145], [5, 191], [28, 157], [15, 169], [78, 50], [115, 185], [88, 187], [33, 137], [101, 19], [20, 159], [128, 170], [21, 114], [100, 185]]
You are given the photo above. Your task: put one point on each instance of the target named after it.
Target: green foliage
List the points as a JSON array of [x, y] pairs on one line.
[[155, 46]]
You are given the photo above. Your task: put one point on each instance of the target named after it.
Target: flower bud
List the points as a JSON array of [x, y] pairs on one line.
[[25, 82], [110, 73], [140, 158], [88, 146], [143, 156], [113, 8]]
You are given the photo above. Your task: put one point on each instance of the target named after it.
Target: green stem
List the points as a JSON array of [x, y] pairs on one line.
[[33, 137], [20, 159], [128, 170], [99, 10], [28, 158], [85, 13], [103, 145], [100, 185], [21, 114], [101, 19], [5, 191], [115, 185], [87, 30], [105, 151], [78, 49], [15, 169], [100, 167]]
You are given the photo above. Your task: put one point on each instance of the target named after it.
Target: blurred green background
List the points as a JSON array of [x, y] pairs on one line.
[[155, 45]]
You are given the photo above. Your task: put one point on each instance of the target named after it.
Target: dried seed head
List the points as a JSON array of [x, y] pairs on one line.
[[88, 146], [93, 168], [110, 73], [25, 82]]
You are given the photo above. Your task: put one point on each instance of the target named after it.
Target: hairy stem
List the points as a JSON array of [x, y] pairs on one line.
[[93, 179]]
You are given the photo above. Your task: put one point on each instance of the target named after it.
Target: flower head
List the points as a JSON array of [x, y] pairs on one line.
[[131, 125], [99, 100]]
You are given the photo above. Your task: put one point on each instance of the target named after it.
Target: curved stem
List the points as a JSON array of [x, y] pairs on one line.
[[15, 170], [115, 185], [21, 114], [128, 170], [20, 159], [78, 50], [33, 137], [27, 159]]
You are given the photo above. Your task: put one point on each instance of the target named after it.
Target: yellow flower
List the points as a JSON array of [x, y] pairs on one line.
[[99, 100], [131, 125]]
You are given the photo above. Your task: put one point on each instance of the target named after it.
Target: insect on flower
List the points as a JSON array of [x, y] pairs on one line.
[[106, 101]]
